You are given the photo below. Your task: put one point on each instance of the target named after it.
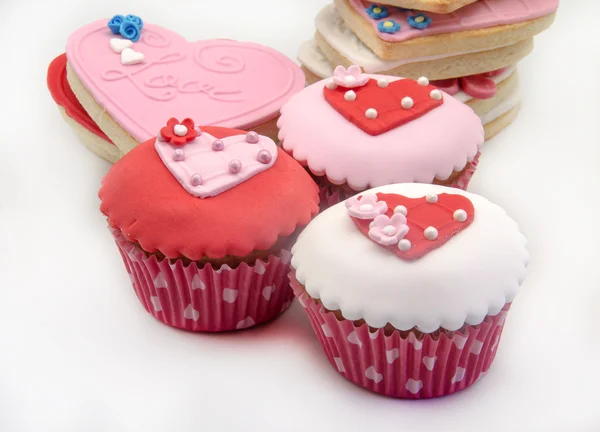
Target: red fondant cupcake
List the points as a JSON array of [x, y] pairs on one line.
[[203, 218]]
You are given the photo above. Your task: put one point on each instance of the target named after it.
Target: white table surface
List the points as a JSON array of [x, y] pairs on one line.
[[79, 353]]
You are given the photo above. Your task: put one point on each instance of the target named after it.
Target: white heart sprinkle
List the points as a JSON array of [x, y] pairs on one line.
[[118, 45], [353, 339], [268, 291], [460, 341], [339, 364], [156, 303], [191, 313], [326, 330], [245, 323], [160, 281], [230, 295], [459, 375], [414, 386], [392, 355], [476, 347], [259, 267], [429, 362], [372, 374], [417, 344], [197, 283], [131, 57]]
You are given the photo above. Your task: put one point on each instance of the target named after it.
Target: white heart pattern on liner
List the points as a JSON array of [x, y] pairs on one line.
[[392, 355], [459, 375], [339, 364], [476, 347], [353, 339], [429, 362], [191, 313], [326, 330], [414, 386], [374, 334], [245, 323], [160, 281], [460, 341], [130, 57], [156, 303], [417, 344], [197, 283], [118, 45], [259, 268], [268, 291], [372, 374], [230, 295], [496, 343]]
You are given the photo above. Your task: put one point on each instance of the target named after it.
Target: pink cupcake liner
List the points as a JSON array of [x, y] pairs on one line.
[[403, 365], [204, 299], [331, 195]]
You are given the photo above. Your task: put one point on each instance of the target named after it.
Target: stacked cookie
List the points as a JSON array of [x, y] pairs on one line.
[[467, 48]]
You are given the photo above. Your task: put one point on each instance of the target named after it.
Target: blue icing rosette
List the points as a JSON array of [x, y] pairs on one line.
[[114, 24], [136, 20], [130, 30]]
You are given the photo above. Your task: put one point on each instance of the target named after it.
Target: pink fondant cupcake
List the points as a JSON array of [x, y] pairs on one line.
[[203, 218], [407, 286], [356, 131]]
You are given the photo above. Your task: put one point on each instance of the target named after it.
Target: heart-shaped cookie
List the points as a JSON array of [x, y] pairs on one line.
[[216, 82], [379, 106], [431, 220]]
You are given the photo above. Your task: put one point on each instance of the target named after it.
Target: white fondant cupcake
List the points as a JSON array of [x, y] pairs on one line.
[[407, 286]]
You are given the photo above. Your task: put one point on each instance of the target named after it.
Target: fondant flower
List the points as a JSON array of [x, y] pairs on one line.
[[130, 30], [388, 26], [366, 207], [114, 24], [179, 133], [388, 231], [349, 78], [136, 20], [377, 11], [419, 21]]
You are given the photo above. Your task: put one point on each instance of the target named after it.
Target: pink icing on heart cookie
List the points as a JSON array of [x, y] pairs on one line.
[[218, 82]]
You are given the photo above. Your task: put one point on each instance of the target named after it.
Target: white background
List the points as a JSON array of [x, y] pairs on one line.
[[79, 353]]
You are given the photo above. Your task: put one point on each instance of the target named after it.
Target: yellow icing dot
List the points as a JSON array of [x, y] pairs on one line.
[[377, 10], [388, 24], [419, 19]]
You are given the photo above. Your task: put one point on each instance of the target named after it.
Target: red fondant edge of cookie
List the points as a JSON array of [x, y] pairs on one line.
[[142, 199], [62, 94]]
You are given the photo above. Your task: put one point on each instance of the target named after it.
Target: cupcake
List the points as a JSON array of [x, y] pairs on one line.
[[203, 218], [356, 131], [407, 286]]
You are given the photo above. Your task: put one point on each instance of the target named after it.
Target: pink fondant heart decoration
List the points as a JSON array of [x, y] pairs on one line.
[[215, 82], [413, 226], [380, 106]]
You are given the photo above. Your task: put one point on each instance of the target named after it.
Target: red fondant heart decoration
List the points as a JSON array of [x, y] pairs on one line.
[[432, 220], [377, 108]]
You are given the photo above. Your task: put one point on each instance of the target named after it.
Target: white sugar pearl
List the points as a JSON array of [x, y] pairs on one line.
[[432, 198], [436, 94], [401, 209], [371, 113], [423, 81], [383, 82], [389, 230], [350, 96], [431, 233], [460, 215], [366, 208], [407, 103], [404, 245], [331, 85], [180, 130]]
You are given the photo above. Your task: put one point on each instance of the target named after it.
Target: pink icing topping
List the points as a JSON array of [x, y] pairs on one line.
[[221, 82], [206, 172], [478, 15], [431, 146], [387, 230], [349, 78]]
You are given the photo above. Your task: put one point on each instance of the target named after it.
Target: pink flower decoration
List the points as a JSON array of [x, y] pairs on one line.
[[388, 231], [367, 207], [349, 78]]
